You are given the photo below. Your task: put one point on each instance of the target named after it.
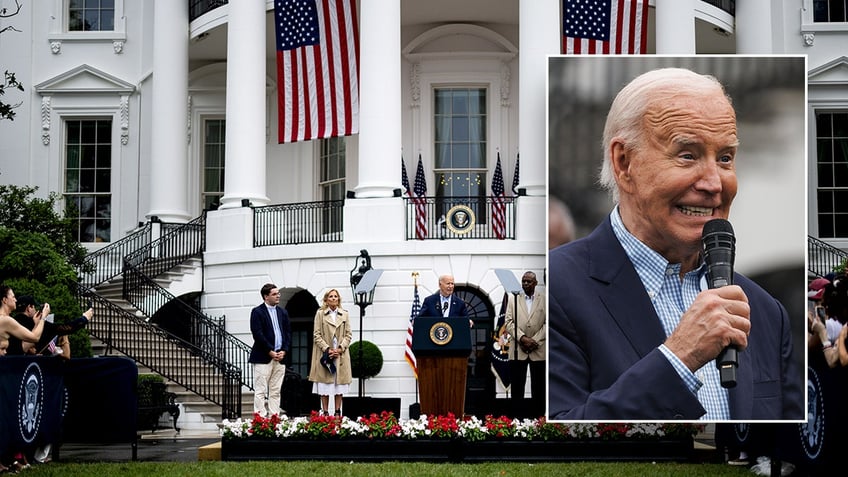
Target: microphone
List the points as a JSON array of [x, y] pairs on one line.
[[719, 253]]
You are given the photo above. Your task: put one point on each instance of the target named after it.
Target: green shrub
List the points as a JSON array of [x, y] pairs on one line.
[[372, 360]]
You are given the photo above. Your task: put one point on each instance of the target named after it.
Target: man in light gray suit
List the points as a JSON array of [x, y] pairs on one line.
[[530, 350]]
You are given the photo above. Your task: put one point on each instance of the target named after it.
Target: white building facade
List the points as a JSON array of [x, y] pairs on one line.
[[163, 109]]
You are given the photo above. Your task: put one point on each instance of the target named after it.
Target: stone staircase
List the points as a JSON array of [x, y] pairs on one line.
[[197, 414]]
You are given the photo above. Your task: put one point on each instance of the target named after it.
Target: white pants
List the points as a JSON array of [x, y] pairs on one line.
[[267, 383]]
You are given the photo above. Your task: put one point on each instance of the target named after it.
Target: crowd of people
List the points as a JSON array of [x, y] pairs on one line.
[[27, 328], [826, 321]]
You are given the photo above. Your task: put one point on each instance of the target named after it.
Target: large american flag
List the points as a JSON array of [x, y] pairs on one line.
[[498, 205], [420, 200], [604, 26], [409, 355], [317, 69]]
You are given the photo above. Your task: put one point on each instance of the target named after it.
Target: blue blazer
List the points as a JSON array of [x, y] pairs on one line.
[[604, 362], [432, 306], [263, 334]]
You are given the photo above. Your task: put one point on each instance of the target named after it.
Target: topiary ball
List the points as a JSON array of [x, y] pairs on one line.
[[372, 360]]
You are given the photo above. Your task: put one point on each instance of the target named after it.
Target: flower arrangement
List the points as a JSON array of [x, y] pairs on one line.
[[386, 426]]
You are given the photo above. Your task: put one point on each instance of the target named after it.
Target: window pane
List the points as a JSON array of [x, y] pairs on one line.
[[76, 3], [107, 20], [103, 178], [107, 4], [459, 127], [840, 125], [88, 156], [459, 103], [824, 148], [820, 10], [840, 201], [443, 101], [73, 128], [87, 180], [837, 11], [840, 225], [73, 157], [460, 156], [478, 156], [92, 4], [72, 181], [477, 101], [824, 199], [88, 132], [478, 129], [104, 156], [210, 181], [442, 156], [826, 225], [104, 131]]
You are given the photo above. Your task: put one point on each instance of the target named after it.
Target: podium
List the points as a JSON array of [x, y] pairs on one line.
[[441, 347]]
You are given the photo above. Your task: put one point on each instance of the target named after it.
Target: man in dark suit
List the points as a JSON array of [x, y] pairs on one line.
[[271, 330], [444, 303], [634, 329]]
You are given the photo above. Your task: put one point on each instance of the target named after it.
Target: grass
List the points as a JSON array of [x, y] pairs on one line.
[[399, 469]]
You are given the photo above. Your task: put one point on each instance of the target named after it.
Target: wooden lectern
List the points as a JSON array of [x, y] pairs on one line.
[[441, 347]]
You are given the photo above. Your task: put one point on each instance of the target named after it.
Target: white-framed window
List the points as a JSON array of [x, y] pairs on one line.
[[830, 11], [331, 182], [91, 15], [460, 122], [87, 20], [832, 173], [214, 145], [88, 177]]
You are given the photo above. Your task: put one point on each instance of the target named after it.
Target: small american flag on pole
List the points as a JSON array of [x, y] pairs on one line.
[[515, 178], [409, 355], [420, 200], [317, 69], [604, 26], [498, 205]]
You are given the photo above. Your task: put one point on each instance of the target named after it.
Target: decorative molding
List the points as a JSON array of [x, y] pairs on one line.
[[45, 120], [118, 46], [125, 118], [188, 120], [505, 75], [809, 38], [56, 46], [415, 84]]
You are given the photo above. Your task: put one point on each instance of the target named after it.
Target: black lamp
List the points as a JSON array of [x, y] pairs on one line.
[[363, 282]]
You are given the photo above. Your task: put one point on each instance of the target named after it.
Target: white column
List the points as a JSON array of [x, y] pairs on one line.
[[169, 149], [244, 168], [538, 36], [675, 27], [379, 98], [753, 27]]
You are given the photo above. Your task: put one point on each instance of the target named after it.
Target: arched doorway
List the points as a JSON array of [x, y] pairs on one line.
[[480, 382]]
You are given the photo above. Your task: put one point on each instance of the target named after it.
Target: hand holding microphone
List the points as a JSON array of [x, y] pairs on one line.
[[717, 323]]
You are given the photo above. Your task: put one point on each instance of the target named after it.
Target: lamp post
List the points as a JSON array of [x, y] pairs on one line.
[[363, 281]]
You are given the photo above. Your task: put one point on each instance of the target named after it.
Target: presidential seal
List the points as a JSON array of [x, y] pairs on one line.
[[812, 431], [30, 402], [441, 333], [461, 219]]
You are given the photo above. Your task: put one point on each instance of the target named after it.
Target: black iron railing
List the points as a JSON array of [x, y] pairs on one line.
[[824, 258], [197, 8], [451, 218], [178, 243], [197, 368], [728, 6], [292, 224], [108, 262]]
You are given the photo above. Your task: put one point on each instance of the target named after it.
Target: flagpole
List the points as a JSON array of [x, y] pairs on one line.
[[415, 284]]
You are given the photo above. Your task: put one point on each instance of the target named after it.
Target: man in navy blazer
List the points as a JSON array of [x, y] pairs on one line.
[[444, 303], [634, 330], [271, 330]]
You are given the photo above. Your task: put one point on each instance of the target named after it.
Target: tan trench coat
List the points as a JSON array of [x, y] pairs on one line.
[[323, 332]]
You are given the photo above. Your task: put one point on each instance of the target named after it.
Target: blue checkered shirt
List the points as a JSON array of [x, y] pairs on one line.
[[671, 297]]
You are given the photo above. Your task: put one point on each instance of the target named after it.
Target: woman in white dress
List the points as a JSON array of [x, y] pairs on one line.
[[331, 334]]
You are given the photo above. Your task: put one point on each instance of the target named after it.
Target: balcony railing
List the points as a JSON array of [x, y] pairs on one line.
[[292, 224], [197, 8], [824, 258], [456, 218], [728, 6]]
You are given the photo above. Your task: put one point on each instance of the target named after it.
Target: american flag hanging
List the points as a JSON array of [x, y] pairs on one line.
[[498, 205], [409, 355], [604, 26], [317, 69], [420, 200], [515, 178]]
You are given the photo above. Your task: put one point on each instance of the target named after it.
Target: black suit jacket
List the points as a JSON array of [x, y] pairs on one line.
[[263, 334], [603, 337], [432, 306]]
